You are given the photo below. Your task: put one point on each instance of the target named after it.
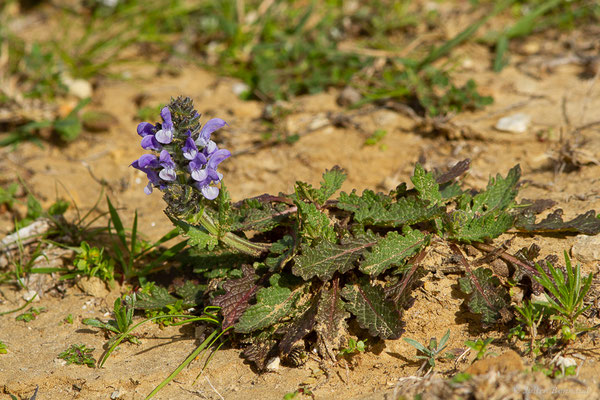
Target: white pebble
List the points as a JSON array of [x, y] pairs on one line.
[[516, 123]]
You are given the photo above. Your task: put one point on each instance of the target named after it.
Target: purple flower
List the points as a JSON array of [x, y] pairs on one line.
[[196, 170], [165, 134], [146, 131], [145, 164], [168, 172], [189, 149], [208, 128], [217, 157]]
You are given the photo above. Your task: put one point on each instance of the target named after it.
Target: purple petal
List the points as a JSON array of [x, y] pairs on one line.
[[148, 188], [199, 175], [149, 142], [147, 160], [145, 128], [211, 126], [168, 174], [210, 148], [189, 149], [210, 192], [165, 113], [217, 157], [164, 136], [165, 160]]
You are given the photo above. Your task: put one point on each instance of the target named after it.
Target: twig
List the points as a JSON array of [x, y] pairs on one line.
[[213, 388], [505, 256]]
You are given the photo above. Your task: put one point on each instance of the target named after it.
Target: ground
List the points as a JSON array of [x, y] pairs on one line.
[[558, 100]]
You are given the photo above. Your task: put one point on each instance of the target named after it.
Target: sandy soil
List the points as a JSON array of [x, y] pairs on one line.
[[78, 171]]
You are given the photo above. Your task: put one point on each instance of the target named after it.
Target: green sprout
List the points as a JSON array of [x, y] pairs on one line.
[[431, 352], [123, 310], [92, 262], [567, 292], [480, 346], [530, 316], [79, 354], [353, 347], [3, 348], [30, 314]]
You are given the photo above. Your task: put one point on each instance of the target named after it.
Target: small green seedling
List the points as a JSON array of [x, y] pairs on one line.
[[567, 292], [91, 261], [78, 354], [68, 319], [30, 314], [353, 347], [3, 348], [531, 315], [480, 346], [376, 137], [123, 311], [430, 352]]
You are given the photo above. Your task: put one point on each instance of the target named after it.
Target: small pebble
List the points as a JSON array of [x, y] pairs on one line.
[[273, 364], [516, 123], [239, 88], [586, 248], [348, 96]]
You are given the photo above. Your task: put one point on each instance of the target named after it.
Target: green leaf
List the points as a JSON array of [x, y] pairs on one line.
[[372, 310], [331, 315], [488, 297], [426, 185], [394, 249], [198, 236], [331, 183], [467, 228], [280, 253], [157, 299], [257, 216], [379, 210], [314, 223], [325, 258], [272, 304], [499, 194], [587, 223]]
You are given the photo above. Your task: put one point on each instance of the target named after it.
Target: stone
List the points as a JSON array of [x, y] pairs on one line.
[[348, 96], [93, 286], [509, 361], [586, 248], [516, 123], [273, 364]]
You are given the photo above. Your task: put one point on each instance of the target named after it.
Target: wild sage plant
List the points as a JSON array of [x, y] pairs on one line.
[[321, 261]]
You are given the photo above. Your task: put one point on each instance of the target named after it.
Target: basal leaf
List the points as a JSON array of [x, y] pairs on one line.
[[190, 292], [299, 328], [281, 252], [314, 223], [426, 185], [468, 228], [198, 235], [499, 194], [238, 293], [372, 310], [379, 210], [587, 223], [325, 258], [331, 183], [331, 316], [259, 216], [157, 299], [394, 249], [487, 296], [260, 351], [272, 304]]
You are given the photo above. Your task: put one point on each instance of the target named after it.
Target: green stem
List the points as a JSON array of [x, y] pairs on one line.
[[230, 239]]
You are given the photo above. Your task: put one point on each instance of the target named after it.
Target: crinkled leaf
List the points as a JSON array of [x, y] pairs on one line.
[[426, 185], [487, 296], [394, 249], [331, 316], [224, 210], [260, 352], [281, 252], [587, 223], [272, 304], [331, 183], [255, 215], [299, 328], [499, 194], [314, 223], [190, 292], [378, 209], [373, 310], [199, 236], [326, 258], [238, 293], [157, 299], [467, 228]]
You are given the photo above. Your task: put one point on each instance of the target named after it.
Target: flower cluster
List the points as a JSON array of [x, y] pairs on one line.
[[182, 153]]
